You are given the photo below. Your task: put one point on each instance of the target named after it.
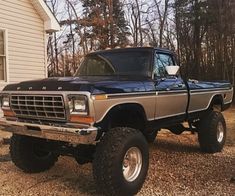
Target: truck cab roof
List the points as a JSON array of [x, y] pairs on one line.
[[161, 50]]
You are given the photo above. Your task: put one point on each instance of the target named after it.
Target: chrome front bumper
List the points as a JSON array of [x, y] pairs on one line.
[[72, 135]]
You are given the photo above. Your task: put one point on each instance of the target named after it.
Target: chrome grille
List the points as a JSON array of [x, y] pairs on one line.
[[38, 106]]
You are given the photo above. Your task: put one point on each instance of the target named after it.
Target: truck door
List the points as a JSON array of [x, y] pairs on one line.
[[172, 96]]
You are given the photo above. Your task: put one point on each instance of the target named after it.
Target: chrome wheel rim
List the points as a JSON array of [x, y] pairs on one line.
[[220, 132], [132, 164]]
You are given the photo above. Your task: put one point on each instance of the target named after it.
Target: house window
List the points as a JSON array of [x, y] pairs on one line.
[[2, 55]]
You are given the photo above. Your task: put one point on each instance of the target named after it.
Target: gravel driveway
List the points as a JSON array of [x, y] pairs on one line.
[[176, 168]]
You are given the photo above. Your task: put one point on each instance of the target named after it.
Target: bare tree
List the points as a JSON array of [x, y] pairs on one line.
[[201, 32], [162, 15]]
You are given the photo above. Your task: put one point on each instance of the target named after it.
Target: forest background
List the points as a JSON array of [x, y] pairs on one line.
[[200, 32]]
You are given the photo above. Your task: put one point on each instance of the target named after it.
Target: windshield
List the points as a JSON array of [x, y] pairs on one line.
[[116, 63]]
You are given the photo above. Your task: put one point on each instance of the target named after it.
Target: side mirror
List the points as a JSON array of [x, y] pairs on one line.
[[172, 70]]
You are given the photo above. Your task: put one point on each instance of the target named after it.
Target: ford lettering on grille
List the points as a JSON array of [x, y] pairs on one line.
[[38, 106]]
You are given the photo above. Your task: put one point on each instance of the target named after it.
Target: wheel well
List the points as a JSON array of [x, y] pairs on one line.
[[125, 115], [216, 103]]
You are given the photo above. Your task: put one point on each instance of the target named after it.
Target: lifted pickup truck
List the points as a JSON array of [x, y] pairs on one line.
[[117, 102]]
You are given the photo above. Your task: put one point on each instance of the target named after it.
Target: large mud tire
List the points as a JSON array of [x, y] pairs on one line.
[[26, 154], [117, 152], [212, 132]]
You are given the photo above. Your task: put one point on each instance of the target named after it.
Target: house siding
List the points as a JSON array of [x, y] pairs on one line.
[[26, 41]]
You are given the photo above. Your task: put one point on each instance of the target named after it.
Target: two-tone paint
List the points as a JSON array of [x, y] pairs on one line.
[[160, 98]]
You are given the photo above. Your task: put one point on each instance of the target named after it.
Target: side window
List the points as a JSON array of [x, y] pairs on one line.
[[2, 55], [161, 61]]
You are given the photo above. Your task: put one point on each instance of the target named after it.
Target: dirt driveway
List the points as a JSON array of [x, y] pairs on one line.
[[176, 168]]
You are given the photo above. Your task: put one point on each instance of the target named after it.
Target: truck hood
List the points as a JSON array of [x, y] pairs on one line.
[[94, 85]]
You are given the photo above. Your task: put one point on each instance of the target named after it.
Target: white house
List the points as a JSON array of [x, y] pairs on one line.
[[24, 29]]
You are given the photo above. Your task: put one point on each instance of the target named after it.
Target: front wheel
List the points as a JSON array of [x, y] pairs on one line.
[[121, 162], [29, 154], [212, 132]]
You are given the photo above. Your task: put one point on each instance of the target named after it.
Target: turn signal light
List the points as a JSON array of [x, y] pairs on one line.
[[81, 119], [8, 113], [100, 97]]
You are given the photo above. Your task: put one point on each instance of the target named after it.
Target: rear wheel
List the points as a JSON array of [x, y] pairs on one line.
[[212, 132], [121, 162], [29, 154]]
